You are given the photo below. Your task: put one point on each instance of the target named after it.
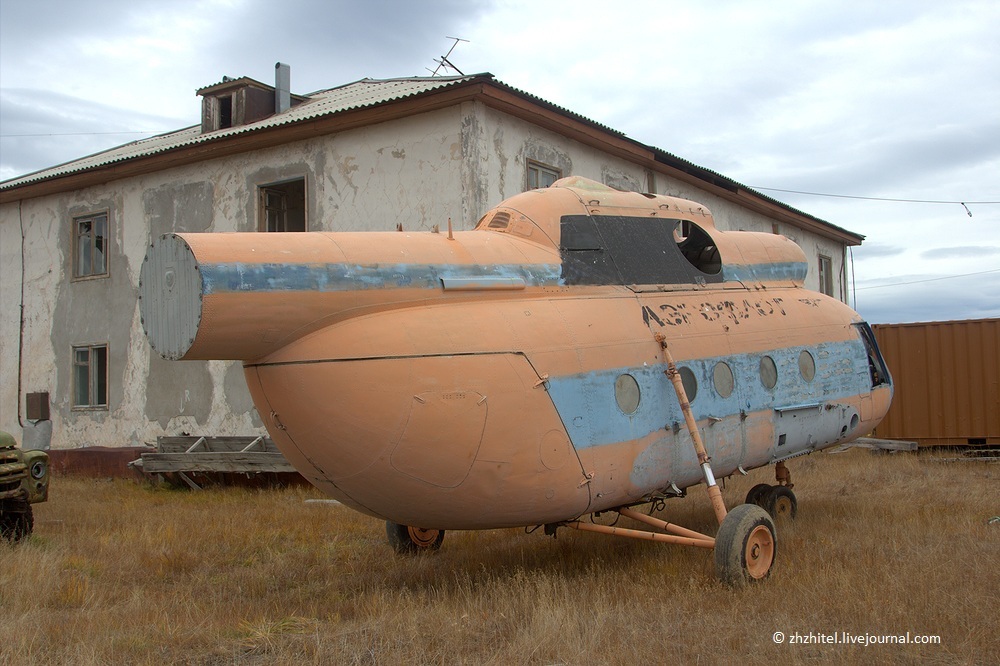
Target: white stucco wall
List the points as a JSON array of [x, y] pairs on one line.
[[406, 171]]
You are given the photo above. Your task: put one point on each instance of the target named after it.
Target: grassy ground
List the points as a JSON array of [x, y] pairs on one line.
[[121, 572]]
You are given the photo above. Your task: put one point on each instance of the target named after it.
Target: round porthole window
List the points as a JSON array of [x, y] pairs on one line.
[[768, 372], [722, 376], [807, 366], [690, 383], [627, 393]]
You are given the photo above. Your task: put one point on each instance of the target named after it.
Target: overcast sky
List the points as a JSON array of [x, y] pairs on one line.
[[885, 100]]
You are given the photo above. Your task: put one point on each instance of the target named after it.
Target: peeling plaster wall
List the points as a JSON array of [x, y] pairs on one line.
[[10, 319], [406, 171]]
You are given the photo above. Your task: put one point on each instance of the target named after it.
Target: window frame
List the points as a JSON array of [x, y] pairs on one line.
[[275, 187], [539, 168], [225, 105], [825, 275], [78, 220], [93, 377]]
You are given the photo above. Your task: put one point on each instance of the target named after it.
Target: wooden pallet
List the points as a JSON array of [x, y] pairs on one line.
[[226, 455]]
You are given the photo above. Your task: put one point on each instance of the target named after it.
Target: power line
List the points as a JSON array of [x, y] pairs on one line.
[[7, 136], [851, 196], [946, 277]]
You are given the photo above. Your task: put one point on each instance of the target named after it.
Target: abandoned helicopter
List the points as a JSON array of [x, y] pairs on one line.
[[581, 350]]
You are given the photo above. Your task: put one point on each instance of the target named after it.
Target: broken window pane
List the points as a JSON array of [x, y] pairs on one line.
[[81, 376], [83, 248], [91, 246], [826, 275], [99, 265]]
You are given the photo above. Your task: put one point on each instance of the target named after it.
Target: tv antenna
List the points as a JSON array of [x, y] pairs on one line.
[[444, 62]]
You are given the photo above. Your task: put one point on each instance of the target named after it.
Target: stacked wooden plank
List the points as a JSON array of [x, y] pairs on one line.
[[192, 454]]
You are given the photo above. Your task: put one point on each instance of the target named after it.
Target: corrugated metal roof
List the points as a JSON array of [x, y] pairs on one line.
[[230, 81], [555, 107], [357, 95], [140, 148], [669, 158]]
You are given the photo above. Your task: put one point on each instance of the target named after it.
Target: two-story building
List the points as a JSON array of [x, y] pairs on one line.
[[370, 155]]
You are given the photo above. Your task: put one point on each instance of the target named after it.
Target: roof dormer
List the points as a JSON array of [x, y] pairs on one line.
[[235, 102]]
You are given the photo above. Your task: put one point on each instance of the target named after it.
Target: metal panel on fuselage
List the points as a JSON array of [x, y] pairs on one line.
[[580, 341], [632, 455], [450, 441]]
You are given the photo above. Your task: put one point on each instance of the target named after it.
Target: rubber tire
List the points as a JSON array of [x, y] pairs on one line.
[[780, 503], [758, 493], [17, 525], [746, 530], [405, 542]]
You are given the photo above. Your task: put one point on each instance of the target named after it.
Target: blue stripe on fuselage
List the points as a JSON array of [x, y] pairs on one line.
[[789, 270], [587, 406], [240, 277], [270, 277]]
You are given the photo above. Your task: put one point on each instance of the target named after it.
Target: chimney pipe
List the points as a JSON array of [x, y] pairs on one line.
[[282, 87]]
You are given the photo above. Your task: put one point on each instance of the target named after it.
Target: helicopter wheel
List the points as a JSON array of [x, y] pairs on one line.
[[758, 493], [745, 546], [780, 502], [408, 540]]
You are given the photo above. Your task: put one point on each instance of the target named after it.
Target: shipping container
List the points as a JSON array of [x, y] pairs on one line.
[[947, 382]]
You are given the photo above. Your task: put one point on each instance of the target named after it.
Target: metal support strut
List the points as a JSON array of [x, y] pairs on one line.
[[714, 494], [744, 546], [678, 535]]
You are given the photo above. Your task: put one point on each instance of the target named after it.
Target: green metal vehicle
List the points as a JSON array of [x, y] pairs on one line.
[[24, 480]]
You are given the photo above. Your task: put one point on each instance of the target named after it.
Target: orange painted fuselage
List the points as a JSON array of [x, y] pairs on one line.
[[509, 375]]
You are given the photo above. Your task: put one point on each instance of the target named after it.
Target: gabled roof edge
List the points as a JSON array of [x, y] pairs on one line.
[[731, 189]]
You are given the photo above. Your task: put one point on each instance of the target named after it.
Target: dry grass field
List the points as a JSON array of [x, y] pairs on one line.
[[120, 572]]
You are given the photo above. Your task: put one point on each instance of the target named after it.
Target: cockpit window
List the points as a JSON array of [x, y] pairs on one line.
[[699, 249], [611, 249], [876, 364]]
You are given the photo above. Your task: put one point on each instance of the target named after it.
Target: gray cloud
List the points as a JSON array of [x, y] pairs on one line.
[[972, 297], [962, 252], [41, 128], [84, 92], [877, 251], [332, 43], [24, 24]]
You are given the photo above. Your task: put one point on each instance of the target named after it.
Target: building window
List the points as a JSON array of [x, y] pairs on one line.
[[225, 112], [90, 243], [826, 275], [541, 175], [282, 206], [90, 377]]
